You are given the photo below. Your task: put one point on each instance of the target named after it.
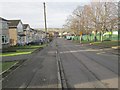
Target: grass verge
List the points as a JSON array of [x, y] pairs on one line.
[[106, 44], [20, 50], [7, 65]]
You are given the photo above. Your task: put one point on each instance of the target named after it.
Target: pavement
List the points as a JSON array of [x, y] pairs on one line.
[[39, 71], [16, 58]]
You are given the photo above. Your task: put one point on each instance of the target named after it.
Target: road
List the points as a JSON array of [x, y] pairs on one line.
[[81, 67], [40, 71], [85, 67]]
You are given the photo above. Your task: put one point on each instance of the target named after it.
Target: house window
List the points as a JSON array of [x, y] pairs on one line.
[[4, 39], [3, 25]]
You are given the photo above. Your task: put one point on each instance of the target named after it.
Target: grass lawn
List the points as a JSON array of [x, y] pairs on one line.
[[6, 65], [106, 43], [98, 43], [30, 46], [20, 50], [14, 53]]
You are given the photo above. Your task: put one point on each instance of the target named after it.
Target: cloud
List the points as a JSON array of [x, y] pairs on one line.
[[44, 0], [32, 12]]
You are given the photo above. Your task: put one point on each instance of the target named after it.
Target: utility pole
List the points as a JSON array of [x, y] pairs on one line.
[[45, 19], [79, 30]]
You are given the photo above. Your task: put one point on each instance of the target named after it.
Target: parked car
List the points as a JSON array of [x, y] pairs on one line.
[[69, 37], [34, 43]]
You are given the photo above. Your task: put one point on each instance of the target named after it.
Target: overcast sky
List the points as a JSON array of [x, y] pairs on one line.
[[31, 12]]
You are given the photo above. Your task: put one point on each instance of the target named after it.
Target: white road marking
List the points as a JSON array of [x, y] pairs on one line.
[[105, 54], [52, 51], [100, 52], [87, 50]]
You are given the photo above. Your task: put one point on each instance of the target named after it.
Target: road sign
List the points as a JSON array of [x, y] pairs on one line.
[[80, 32]]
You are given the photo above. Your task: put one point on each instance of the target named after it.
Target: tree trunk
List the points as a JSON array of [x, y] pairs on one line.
[[95, 36], [80, 38], [101, 36], [87, 38], [110, 35]]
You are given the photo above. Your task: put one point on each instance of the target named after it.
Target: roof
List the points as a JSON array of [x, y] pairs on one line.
[[13, 23], [2, 19], [25, 26]]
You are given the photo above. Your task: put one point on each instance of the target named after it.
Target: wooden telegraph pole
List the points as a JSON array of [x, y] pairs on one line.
[[45, 19]]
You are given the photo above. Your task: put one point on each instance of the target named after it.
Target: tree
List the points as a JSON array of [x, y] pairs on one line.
[[97, 16]]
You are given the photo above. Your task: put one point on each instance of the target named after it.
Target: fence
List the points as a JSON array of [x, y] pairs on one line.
[[91, 37]]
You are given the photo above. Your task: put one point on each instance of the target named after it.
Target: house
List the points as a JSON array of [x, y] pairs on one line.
[[4, 32], [35, 35], [26, 29], [38, 35], [32, 33], [16, 32], [41, 34]]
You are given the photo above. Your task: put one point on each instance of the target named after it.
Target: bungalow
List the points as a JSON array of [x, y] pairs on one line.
[[26, 29], [16, 32], [4, 32]]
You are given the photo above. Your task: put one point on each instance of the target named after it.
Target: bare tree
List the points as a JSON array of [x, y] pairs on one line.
[[97, 16]]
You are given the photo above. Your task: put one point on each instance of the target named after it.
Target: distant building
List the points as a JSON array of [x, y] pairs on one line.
[[36, 36], [40, 34], [16, 32], [32, 35], [5, 33], [26, 29]]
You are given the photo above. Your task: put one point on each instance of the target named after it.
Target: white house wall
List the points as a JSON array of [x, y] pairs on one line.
[[27, 34], [4, 32], [20, 29]]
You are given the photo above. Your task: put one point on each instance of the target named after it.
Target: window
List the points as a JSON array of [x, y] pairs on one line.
[[3, 25], [4, 39]]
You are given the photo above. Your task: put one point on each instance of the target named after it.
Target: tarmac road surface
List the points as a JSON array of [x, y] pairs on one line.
[[83, 67]]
